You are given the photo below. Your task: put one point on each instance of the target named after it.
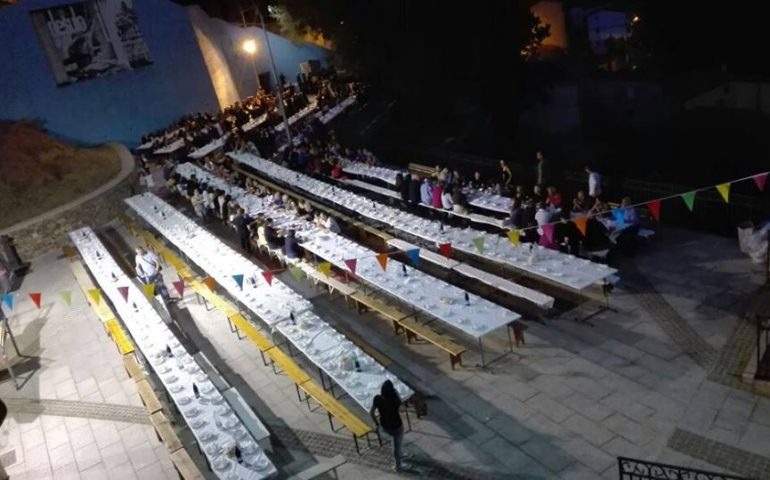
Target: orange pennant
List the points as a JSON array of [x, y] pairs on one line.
[[581, 223], [210, 282], [382, 258]]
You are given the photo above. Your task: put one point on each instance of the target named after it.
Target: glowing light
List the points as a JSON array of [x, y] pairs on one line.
[[250, 46]]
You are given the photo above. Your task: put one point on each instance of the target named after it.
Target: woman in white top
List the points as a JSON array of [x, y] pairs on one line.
[[542, 216], [594, 183], [446, 199]]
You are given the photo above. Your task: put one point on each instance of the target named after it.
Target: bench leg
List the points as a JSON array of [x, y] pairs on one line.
[[397, 328], [456, 360], [262, 354], [355, 439], [230, 324], [331, 424], [409, 336], [408, 420]]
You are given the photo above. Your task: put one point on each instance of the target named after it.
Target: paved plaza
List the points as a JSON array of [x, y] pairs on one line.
[[655, 378]]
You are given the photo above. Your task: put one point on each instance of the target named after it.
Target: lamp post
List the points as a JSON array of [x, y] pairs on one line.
[[250, 47]]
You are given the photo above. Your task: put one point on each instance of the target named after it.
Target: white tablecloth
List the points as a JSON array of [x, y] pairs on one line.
[[320, 343], [254, 122], [387, 175], [298, 116], [373, 188], [210, 147], [211, 420], [551, 265], [329, 115], [489, 201], [170, 148]]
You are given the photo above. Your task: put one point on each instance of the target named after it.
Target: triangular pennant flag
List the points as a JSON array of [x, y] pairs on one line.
[[239, 280], [66, 297], [210, 282], [8, 300], [325, 268], [479, 243], [179, 287], [36, 299], [445, 249], [123, 292], [297, 273], [724, 190], [581, 223], [548, 233], [268, 277], [620, 217], [95, 295], [654, 207], [382, 258], [514, 237], [414, 256], [351, 264], [149, 290], [689, 199], [760, 180]]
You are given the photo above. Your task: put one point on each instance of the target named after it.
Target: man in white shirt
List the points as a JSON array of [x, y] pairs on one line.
[[594, 183], [148, 267]]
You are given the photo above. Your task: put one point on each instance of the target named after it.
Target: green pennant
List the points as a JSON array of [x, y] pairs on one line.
[[297, 273], [66, 297], [479, 242], [689, 199]]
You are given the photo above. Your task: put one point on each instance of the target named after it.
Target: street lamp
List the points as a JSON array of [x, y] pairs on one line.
[[250, 47]]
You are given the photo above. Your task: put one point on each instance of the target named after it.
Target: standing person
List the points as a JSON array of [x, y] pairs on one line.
[[240, 222], [414, 190], [425, 192], [594, 183], [541, 169], [148, 268], [387, 404], [506, 176]]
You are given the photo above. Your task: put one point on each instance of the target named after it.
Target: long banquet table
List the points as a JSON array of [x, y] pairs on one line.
[[210, 147], [387, 175], [329, 350], [170, 148], [212, 421], [551, 265]]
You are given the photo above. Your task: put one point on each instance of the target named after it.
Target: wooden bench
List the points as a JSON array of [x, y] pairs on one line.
[[239, 324], [125, 346], [367, 302], [320, 468], [413, 329], [184, 465], [331, 282], [335, 409], [165, 432], [287, 366], [148, 397], [422, 170], [133, 368]]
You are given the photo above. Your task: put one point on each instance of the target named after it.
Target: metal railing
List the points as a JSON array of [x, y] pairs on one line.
[[633, 469]]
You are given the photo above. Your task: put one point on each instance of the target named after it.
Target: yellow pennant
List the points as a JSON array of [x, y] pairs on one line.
[[724, 190], [149, 290], [513, 236], [95, 295], [325, 268]]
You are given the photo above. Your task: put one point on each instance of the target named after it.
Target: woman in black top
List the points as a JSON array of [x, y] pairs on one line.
[[387, 403]]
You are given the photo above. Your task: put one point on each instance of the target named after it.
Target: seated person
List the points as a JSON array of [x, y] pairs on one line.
[[630, 216], [599, 208], [425, 192], [459, 203], [537, 194], [580, 203], [336, 169], [476, 182], [554, 197], [331, 224], [516, 218], [446, 198], [291, 246], [542, 215], [274, 241]]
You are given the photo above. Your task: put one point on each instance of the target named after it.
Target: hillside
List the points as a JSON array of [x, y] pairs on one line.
[[38, 173]]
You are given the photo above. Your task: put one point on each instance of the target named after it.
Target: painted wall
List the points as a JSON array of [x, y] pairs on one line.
[[233, 71], [120, 107]]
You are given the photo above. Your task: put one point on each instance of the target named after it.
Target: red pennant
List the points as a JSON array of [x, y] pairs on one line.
[[36, 299], [445, 249], [581, 223], [760, 180], [210, 282], [351, 264], [268, 277], [382, 258], [179, 286], [123, 293], [654, 207]]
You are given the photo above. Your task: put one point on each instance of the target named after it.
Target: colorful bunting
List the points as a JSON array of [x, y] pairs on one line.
[[689, 199], [123, 292], [36, 299], [514, 236], [8, 300], [479, 243], [414, 256], [724, 190], [445, 249], [66, 296], [351, 264], [179, 287], [760, 180], [149, 290], [297, 273], [239, 280], [654, 207], [210, 282], [95, 295], [268, 277], [325, 268], [620, 217], [382, 259], [581, 223]]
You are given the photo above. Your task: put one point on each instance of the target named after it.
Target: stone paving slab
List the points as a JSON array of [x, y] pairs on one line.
[[720, 454]]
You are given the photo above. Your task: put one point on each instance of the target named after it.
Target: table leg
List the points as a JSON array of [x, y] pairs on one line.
[[481, 347], [510, 341]]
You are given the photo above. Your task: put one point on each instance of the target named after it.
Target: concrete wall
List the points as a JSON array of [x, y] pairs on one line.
[[233, 71], [737, 95], [120, 107]]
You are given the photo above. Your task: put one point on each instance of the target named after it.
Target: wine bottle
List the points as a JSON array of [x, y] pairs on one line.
[[237, 452], [358, 365], [293, 320], [169, 352], [403, 269], [467, 299], [136, 309], [196, 392]]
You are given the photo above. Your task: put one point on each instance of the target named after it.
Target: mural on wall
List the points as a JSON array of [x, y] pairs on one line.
[[89, 39]]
